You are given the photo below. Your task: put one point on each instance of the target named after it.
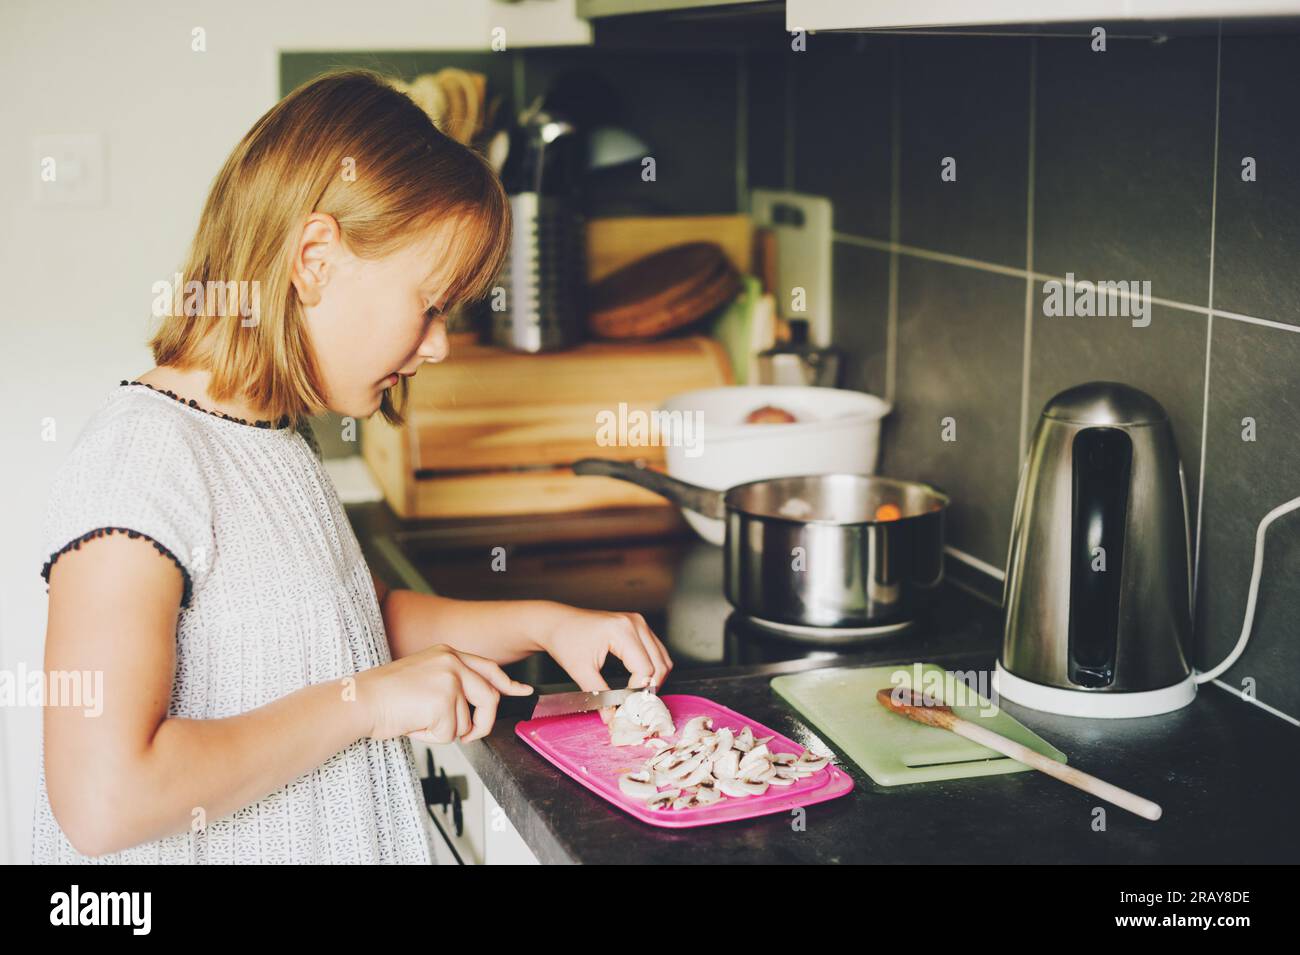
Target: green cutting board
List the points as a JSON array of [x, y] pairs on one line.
[[841, 704]]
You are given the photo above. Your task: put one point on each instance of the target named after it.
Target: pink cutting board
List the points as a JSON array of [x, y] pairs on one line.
[[579, 745]]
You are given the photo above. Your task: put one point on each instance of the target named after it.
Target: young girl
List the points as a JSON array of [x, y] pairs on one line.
[[257, 682]]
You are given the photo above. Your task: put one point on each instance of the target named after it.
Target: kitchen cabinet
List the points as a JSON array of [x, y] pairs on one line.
[[472, 828], [906, 14]]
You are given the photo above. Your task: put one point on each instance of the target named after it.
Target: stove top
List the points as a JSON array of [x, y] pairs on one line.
[[677, 585]]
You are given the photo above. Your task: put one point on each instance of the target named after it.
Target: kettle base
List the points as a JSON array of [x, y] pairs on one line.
[[1092, 704]]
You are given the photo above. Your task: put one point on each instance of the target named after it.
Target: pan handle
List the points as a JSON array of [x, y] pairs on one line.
[[701, 500]]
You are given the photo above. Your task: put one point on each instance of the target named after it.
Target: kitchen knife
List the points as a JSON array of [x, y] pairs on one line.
[[538, 705]]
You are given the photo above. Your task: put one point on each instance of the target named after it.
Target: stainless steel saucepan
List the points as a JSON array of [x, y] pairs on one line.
[[825, 550]]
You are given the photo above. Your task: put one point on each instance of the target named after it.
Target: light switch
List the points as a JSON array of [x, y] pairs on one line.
[[68, 169]]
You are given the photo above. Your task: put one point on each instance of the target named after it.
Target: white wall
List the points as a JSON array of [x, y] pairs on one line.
[[74, 313]]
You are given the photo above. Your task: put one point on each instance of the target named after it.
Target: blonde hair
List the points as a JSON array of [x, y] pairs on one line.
[[409, 176]]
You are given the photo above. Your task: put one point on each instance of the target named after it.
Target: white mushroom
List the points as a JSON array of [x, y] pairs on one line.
[[640, 716], [704, 766], [623, 732], [740, 788], [810, 761], [702, 772], [724, 739], [707, 795], [685, 800], [756, 753], [663, 800], [728, 765], [695, 728], [637, 785], [686, 767], [665, 757]]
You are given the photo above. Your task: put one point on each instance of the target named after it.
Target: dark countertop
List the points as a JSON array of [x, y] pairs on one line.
[[1223, 770]]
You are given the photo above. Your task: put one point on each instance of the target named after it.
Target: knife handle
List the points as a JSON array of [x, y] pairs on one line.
[[517, 707]]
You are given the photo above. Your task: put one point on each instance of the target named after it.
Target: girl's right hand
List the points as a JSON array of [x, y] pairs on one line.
[[431, 692]]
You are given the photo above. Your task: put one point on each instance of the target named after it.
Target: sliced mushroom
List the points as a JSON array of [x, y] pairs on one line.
[[727, 766], [686, 767], [698, 775], [640, 716], [663, 800], [724, 739], [811, 762], [756, 753], [703, 766], [637, 785], [739, 788], [695, 728], [707, 795]]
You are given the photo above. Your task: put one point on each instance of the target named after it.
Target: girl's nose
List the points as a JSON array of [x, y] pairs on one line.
[[434, 347]]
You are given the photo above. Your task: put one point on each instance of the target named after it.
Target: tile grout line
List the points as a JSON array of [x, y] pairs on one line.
[[883, 245], [895, 222], [1029, 254], [1209, 325], [1252, 320]]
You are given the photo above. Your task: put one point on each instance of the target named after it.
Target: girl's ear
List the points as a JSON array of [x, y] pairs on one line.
[[316, 248]]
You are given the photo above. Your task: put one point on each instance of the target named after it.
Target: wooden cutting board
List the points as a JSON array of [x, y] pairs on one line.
[[662, 292]]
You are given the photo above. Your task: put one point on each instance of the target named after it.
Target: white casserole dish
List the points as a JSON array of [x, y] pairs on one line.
[[837, 431]]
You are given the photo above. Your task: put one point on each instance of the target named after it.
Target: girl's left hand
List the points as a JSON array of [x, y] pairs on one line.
[[581, 640]]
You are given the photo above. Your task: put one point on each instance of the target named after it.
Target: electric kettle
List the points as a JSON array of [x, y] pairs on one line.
[[1098, 583]]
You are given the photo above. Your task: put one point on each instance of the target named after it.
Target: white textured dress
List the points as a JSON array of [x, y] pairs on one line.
[[277, 595]]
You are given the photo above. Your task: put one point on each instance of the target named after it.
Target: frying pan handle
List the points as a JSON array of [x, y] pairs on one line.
[[701, 500]]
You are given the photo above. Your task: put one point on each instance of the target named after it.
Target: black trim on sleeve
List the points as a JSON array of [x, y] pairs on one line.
[[76, 543]]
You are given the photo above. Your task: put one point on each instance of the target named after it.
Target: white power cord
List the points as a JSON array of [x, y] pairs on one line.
[[1249, 621]]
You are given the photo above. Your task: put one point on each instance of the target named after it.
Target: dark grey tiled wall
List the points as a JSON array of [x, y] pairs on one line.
[[1100, 164], [683, 103]]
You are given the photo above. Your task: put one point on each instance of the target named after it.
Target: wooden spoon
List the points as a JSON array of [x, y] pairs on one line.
[[927, 710]]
